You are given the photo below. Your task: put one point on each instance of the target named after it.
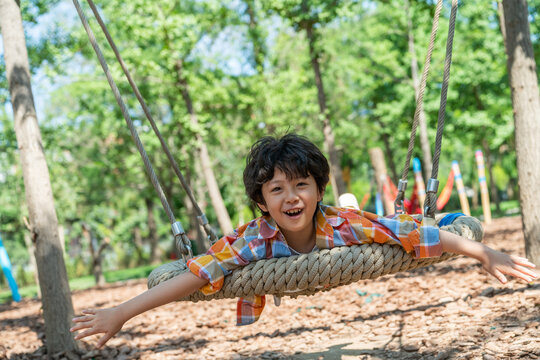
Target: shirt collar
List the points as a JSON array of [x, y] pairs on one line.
[[327, 218], [268, 228]]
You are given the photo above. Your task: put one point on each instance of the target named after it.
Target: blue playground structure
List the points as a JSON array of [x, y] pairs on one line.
[[6, 268]]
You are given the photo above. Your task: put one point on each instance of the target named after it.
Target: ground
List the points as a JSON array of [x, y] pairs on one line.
[[452, 310]]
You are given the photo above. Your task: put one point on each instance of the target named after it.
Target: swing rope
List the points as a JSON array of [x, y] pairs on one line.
[[320, 270], [433, 183], [431, 191], [200, 215], [182, 241], [302, 274]]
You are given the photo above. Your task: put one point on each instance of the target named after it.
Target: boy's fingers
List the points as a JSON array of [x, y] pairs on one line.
[[522, 261], [82, 318], [89, 311], [86, 333], [103, 340], [80, 326], [499, 276], [526, 271], [518, 274]]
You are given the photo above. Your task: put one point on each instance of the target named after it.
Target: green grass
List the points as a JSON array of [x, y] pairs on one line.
[[508, 208], [85, 282]]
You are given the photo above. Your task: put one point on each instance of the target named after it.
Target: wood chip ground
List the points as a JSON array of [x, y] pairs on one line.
[[452, 310]]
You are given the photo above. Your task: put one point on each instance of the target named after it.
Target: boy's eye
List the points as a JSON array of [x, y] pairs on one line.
[[301, 183], [277, 188]]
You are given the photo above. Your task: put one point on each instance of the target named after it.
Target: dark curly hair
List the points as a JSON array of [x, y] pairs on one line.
[[295, 155]]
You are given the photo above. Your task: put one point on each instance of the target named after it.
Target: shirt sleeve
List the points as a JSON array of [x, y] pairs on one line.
[[227, 254], [420, 237]]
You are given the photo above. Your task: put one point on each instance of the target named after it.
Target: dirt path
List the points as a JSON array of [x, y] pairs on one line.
[[451, 310]]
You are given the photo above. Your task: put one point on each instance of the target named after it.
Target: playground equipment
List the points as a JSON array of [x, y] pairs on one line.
[[419, 181], [327, 268], [6, 268], [486, 209], [461, 189], [444, 196]]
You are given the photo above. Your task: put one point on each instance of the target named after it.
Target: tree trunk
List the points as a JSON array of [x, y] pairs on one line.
[[389, 153], [381, 177], [56, 297], [32, 256], [422, 122], [138, 243], [223, 217], [96, 253], [196, 231], [336, 176], [153, 237], [492, 185], [254, 32], [526, 105]]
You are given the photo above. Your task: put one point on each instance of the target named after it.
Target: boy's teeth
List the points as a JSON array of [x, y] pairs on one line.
[[294, 212]]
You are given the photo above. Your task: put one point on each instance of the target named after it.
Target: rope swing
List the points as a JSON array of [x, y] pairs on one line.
[[320, 270]]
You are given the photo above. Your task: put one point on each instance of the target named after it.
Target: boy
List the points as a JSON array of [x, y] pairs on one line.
[[286, 178]]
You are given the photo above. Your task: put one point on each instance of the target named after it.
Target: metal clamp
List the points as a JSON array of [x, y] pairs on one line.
[[432, 186], [399, 207], [431, 191], [183, 244], [203, 219]]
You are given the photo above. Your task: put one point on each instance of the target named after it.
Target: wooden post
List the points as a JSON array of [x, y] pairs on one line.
[[483, 186], [419, 179], [381, 177], [461, 189]]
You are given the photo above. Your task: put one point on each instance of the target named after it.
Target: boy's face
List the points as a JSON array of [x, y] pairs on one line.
[[291, 203]]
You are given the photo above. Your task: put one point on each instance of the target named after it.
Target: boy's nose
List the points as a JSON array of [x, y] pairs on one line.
[[292, 196]]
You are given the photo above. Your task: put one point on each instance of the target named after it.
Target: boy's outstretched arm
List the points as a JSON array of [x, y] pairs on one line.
[[110, 321], [495, 262]]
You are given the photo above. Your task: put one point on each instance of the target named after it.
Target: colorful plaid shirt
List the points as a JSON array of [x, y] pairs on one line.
[[261, 239]]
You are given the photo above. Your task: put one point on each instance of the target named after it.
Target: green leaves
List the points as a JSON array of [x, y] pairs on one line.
[[247, 68]]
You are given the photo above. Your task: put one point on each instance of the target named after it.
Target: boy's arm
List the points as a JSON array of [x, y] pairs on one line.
[[110, 321], [495, 262]]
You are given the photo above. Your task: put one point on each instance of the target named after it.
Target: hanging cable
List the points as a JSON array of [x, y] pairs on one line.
[[433, 183], [200, 215], [182, 241], [402, 185]]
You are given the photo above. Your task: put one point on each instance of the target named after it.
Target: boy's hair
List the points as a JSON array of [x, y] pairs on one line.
[[295, 155]]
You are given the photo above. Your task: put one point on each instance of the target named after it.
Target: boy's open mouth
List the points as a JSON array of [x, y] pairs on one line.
[[293, 212]]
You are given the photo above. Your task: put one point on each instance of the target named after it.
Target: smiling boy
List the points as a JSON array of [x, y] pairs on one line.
[[286, 178]]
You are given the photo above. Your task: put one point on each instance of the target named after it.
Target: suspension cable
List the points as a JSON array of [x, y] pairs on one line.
[[431, 192], [200, 215], [180, 236], [402, 185]]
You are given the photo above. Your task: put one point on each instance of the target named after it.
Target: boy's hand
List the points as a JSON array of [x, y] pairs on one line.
[[106, 321], [498, 264]]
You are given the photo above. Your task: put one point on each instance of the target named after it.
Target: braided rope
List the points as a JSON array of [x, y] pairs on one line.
[[420, 98], [125, 113], [431, 197], [321, 270], [202, 218]]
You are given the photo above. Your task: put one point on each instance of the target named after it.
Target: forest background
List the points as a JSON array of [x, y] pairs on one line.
[[218, 76]]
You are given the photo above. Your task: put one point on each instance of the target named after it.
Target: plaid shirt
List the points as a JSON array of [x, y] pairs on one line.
[[261, 239]]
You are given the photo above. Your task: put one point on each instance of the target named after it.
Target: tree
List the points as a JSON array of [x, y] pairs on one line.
[[308, 16], [526, 104], [422, 121], [56, 298]]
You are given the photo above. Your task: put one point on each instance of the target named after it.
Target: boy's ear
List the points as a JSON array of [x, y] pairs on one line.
[[321, 194], [262, 207]]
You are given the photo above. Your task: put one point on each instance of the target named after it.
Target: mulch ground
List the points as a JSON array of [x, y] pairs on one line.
[[452, 310]]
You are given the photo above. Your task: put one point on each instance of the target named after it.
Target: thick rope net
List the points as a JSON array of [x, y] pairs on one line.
[[321, 270]]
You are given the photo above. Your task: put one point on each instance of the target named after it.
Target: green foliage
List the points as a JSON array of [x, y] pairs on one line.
[[247, 68]]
